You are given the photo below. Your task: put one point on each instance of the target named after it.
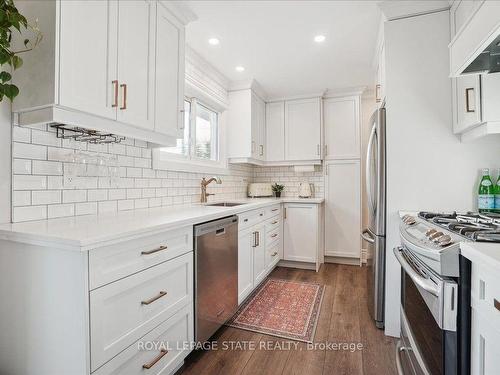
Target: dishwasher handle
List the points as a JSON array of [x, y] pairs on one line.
[[219, 226]]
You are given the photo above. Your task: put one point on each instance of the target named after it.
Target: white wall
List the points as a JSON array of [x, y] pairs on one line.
[[427, 166], [5, 160]]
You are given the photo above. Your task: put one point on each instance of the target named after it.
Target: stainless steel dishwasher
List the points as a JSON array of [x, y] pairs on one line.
[[216, 275]]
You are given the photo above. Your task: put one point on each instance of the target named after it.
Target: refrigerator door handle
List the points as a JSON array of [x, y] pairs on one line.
[[365, 236], [368, 176]]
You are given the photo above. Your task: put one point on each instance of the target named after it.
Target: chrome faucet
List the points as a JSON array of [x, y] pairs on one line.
[[204, 184]]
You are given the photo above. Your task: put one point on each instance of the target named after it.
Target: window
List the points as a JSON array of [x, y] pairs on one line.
[[200, 139]]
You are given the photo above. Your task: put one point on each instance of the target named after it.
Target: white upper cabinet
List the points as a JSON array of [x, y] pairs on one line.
[[341, 127], [88, 59], [275, 131], [303, 129], [475, 97], [246, 130], [136, 62], [169, 98], [104, 77]]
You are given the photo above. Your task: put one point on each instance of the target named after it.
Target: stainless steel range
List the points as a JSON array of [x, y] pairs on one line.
[[435, 289]]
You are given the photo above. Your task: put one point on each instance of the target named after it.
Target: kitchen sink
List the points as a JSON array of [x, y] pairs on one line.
[[225, 204]]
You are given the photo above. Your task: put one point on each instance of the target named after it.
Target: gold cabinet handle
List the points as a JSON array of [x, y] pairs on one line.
[[115, 96], [274, 254], [274, 222], [496, 304], [124, 87], [468, 93], [274, 235], [317, 149], [275, 209], [284, 213], [149, 252], [151, 300], [261, 150], [147, 366]]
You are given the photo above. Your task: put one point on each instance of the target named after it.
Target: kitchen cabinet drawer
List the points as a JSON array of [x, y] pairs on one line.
[[273, 223], [273, 255], [273, 211], [250, 218], [272, 236], [123, 311], [114, 262], [169, 336], [485, 292]]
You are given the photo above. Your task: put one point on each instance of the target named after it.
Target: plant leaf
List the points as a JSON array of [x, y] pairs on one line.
[[5, 77], [17, 62], [11, 91]]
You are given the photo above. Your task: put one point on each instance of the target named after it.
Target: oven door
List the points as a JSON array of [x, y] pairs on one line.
[[428, 317]]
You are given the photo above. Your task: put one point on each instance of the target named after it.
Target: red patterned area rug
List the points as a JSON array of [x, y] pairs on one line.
[[282, 308]]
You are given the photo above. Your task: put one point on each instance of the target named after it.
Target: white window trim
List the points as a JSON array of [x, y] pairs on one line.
[[163, 160]]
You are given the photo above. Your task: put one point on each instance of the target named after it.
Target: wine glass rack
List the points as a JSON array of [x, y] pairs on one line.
[[85, 135]]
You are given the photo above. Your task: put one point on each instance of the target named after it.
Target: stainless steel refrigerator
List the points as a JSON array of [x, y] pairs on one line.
[[374, 235]]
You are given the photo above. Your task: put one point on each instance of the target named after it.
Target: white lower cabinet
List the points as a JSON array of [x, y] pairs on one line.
[[342, 208], [158, 352], [123, 311], [301, 233], [254, 247], [485, 345], [245, 263]]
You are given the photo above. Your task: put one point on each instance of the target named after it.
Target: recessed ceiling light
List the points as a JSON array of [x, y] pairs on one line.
[[319, 38], [213, 41], [240, 69]]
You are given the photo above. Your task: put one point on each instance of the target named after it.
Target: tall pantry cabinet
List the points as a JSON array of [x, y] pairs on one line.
[[342, 169]]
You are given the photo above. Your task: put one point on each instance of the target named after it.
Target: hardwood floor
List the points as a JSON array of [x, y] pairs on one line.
[[344, 318]]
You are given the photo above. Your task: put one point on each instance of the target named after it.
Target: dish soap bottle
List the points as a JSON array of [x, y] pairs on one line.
[[486, 194]]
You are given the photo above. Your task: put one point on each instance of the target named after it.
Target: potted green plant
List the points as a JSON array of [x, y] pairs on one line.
[[11, 20], [277, 189]]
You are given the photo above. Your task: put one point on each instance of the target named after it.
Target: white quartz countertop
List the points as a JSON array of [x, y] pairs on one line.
[[482, 252], [83, 233]]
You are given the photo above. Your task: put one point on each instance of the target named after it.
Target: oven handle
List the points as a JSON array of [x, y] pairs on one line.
[[422, 282], [399, 349]]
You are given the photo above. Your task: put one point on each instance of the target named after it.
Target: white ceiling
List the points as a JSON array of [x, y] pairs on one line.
[[273, 40]]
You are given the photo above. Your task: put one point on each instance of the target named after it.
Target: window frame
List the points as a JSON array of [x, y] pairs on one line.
[[164, 160]]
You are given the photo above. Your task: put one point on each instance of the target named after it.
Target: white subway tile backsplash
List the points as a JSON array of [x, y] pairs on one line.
[[87, 208], [47, 168], [43, 185], [72, 196], [29, 151], [29, 213], [60, 210], [42, 137], [27, 182], [107, 206], [21, 198], [45, 197], [21, 134], [21, 166], [97, 195]]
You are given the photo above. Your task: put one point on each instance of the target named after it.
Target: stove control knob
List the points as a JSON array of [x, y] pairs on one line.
[[429, 232], [445, 240], [409, 220], [434, 236]]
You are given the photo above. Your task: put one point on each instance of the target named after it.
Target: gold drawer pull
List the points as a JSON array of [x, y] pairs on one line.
[[274, 222], [147, 366], [275, 209], [274, 235], [149, 252], [151, 300], [496, 304], [274, 254]]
